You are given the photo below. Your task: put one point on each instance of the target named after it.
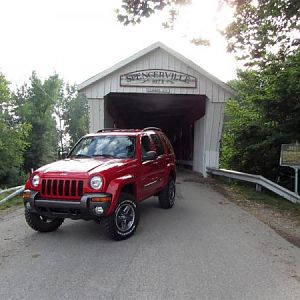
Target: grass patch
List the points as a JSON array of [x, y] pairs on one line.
[[265, 197], [16, 201]]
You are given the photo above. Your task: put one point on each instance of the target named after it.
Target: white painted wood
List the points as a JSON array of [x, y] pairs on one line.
[[209, 89], [160, 52], [215, 93], [213, 130], [96, 114], [199, 145], [91, 115], [221, 95]]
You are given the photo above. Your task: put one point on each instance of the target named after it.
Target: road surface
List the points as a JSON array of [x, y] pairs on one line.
[[203, 248]]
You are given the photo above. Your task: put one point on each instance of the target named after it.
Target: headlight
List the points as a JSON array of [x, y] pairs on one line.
[[96, 182], [35, 180]]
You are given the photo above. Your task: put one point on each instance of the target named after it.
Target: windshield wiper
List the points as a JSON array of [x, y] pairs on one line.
[[80, 155], [105, 155]]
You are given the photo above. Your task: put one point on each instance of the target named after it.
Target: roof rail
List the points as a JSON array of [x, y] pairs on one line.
[[117, 129], [151, 128], [108, 129]]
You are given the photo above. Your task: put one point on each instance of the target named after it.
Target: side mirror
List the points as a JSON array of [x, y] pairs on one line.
[[150, 155], [64, 154]]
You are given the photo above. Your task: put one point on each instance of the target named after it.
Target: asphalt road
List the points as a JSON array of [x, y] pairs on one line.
[[203, 248]]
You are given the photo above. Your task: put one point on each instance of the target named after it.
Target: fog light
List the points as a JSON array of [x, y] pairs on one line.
[[98, 210], [27, 205]]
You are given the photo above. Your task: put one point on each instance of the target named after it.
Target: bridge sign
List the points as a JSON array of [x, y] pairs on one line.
[[290, 155]]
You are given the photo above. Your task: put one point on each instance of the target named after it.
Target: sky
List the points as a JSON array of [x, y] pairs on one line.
[[78, 39]]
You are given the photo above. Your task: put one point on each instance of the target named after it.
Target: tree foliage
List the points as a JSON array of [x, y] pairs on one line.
[[12, 139], [266, 115], [37, 124], [76, 114], [263, 27], [133, 11], [35, 105]]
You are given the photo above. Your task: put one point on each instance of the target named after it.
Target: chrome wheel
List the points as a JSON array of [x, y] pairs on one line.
[[172, 192], [125, 217], [45, 219]]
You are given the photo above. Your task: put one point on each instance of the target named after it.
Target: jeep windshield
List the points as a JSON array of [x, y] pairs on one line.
[[105, 146]]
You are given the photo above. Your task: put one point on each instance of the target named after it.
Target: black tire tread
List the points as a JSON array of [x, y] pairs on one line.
[[163, 197], [36, 224], [108, 223]]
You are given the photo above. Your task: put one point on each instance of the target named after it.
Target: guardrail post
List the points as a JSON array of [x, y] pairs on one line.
[[296, 181], [258, 187]]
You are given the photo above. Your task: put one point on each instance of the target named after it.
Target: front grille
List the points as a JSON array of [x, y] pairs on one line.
[[61, 188]]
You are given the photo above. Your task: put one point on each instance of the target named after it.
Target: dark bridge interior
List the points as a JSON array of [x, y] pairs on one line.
[[174, 114]]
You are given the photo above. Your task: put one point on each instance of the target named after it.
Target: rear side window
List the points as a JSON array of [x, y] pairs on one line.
[[146, 144], [168, 144], [158, 144]]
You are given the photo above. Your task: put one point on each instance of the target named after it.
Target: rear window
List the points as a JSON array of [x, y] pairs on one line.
[[158, 144]]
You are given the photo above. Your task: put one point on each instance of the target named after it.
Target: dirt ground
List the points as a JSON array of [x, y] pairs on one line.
[[285, 223]]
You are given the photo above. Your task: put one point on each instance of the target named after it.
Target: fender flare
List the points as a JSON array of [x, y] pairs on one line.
[[114, 188], [171, 168]]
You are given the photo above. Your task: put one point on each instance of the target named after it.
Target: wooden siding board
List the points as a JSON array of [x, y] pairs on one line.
[[215, 134], [91, 115], [201, 85], [221, 95], [215, 93], [220, 128], [209, 90]]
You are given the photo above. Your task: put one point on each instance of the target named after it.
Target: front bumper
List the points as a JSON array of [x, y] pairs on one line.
[[59, 208]]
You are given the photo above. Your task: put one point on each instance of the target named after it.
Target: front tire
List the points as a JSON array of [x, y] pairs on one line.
[[166, 197], [40, 223], [122, 224]]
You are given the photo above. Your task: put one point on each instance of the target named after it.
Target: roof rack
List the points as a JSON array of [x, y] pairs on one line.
[[115, 129], [108, 129], [151, 128]]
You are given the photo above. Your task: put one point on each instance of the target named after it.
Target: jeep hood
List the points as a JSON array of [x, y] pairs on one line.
[[82, 165]]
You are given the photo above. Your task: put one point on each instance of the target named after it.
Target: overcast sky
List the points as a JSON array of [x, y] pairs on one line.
[[78, 39]]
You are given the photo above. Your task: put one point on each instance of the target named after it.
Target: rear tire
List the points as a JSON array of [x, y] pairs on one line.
[[42, 224], [122, 224], [166, 197]]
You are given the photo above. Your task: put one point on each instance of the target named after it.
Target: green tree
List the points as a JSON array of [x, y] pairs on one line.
[[263, 27], [133, 11], [75, 115], [35, 105], [12, 139], [266, 115]]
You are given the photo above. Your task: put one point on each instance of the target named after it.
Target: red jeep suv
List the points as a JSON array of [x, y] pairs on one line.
[[104, 177]]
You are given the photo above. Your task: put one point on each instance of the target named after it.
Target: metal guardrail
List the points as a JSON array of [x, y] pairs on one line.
[[258, 180], [10, 189], [17, 190]]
